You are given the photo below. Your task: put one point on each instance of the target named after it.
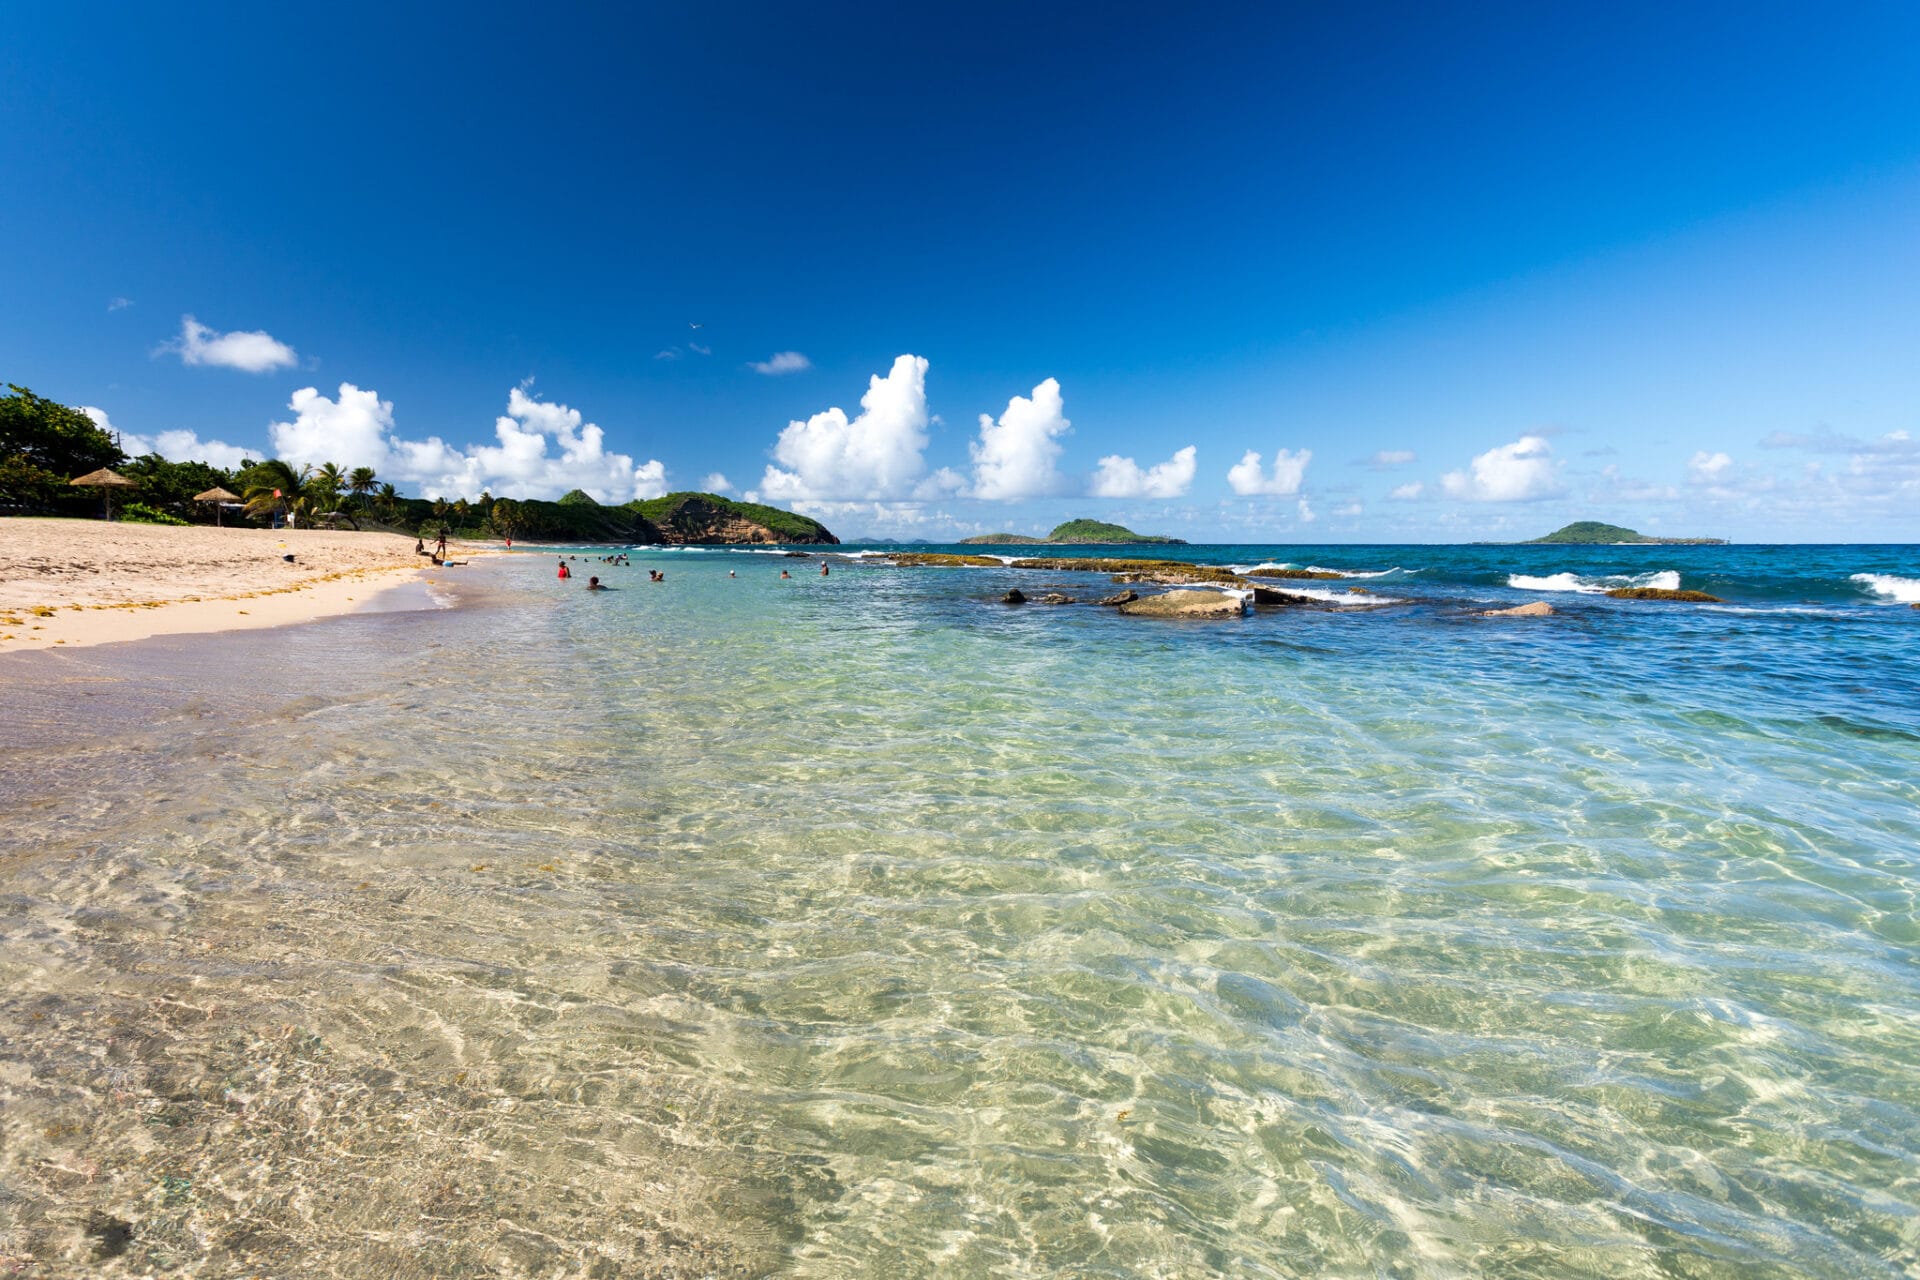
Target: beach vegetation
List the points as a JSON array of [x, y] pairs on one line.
[[53, 436], [146, 513], [170, 487], [43, 445]]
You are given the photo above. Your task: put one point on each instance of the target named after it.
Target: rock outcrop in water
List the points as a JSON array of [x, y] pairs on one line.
[[1186, 604], [1663, 593], [1532, 609], [1296, 574]]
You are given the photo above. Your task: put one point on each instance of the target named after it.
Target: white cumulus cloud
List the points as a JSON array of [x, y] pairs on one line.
[[1519, 472], [1120, 477], [875, 456], [1408, 492], [1386, 458], [1306, 513], [780, 362], [1289, 471], [357, 429], [175, 446], [250, 351], [1014, 457], [1707, 468], [716, 482]]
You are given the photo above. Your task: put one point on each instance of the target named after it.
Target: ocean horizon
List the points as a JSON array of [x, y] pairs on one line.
[[865, 925]]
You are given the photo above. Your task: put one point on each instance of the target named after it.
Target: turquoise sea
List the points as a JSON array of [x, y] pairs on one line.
[[864, 926]]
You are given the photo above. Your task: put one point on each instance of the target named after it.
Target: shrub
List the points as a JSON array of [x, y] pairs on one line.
[[141, 513]]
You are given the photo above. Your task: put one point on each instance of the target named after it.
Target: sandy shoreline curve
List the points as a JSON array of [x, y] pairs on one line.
[[74, 583]]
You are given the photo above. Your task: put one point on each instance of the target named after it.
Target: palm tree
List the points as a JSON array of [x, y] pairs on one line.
[[387, 501], [361, 483], [278, 487], [328, 481], [505, 517]]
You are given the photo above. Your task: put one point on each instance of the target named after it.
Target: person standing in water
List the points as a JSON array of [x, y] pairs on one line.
[[565, 573]]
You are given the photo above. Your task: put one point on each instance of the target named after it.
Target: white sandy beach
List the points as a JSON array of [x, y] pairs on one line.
[[84, 582]]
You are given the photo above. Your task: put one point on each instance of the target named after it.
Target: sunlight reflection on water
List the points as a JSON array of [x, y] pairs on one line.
[[862, 926]]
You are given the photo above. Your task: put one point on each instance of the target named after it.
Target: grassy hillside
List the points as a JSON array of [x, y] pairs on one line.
[[786, 526]]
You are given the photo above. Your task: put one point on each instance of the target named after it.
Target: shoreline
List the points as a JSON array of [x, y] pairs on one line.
[[74, 584]]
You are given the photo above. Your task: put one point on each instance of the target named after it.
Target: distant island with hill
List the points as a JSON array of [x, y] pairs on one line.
[[1593, 533], [1096, 532], [691, 519]]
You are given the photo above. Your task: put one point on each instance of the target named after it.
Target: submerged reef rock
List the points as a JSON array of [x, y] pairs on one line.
[[1186, 604], [1055, 597], [1662, 593], [1532, 609], [1168, 571], [1015, 596], [940, 559], [1293, 573], [1126, 596]]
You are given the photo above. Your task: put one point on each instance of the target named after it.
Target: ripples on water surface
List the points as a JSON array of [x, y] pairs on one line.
[[864, 927]]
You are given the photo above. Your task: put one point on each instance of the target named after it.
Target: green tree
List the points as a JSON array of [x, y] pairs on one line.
[[43, 445], [275, 485], [387, 502], [505, 517], [361, 482], [170, 486]]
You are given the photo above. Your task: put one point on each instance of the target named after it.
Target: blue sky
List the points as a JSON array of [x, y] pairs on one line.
[[1449, 276]]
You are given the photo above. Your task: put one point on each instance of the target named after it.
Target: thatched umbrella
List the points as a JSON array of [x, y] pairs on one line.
[[216, 495], [106, 481]]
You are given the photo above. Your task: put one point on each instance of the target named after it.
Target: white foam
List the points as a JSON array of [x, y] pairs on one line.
[[1314, 568], [1360, 573], [1660, 580], [1900, 590]]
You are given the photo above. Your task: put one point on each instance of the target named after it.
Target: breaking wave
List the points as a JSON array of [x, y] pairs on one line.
[[1662, 580], [1900, 590]]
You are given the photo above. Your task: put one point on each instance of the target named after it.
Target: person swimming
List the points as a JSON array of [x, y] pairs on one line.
[[785, 574], [594, 584]]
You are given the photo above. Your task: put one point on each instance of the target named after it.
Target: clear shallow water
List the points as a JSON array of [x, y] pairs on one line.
[[866, 927]]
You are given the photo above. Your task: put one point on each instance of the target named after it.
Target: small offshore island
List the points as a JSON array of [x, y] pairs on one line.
[[1593, 533], [1084, 531]]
